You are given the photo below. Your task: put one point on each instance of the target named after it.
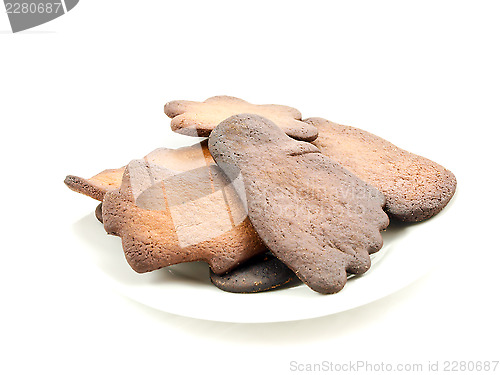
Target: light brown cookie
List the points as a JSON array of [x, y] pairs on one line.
[[164, 218], [200, 118], [315, 216], [416, 188], [96, 186], [181, 159]]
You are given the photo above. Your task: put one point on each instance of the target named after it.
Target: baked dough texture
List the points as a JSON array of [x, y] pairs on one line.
[[200, 118], [415, 187], [315, 216], [165, 218], [180, 160]]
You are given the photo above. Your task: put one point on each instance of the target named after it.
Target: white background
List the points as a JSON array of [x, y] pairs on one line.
[[86, 92]]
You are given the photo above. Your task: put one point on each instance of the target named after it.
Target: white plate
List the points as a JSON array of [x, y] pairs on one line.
[[409, 252]]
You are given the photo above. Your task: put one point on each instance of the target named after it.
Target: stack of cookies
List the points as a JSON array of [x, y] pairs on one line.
[[269, 200]]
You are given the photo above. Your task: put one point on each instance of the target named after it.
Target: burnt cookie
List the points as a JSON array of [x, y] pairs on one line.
[[261, 273], [200, 118], [318, 218], [98, 212], [415, 188], [181, 159], [165, 218]]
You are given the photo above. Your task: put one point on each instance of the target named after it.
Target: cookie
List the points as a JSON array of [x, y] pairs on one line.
[[318, 218], [200, 118], [181, 159], [261, 273], [96, 186], [164, 217], [416, 188], [98, 212]]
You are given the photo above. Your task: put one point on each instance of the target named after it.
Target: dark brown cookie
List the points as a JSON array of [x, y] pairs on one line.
[[314, 215], [181, 159], [416, 188], [200, 118], [259, 274], [98, 212], [165, 218]]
